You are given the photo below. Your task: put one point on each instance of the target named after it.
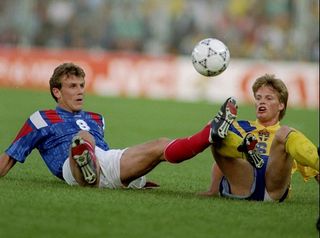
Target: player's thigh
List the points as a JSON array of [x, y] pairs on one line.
[[239, 173], [140, 159], [278, 172]]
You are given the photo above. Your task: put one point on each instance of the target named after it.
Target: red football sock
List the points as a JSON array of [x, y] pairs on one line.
[[185, 148]]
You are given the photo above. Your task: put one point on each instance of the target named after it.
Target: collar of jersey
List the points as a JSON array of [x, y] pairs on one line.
[[273, 127], [60, 109]]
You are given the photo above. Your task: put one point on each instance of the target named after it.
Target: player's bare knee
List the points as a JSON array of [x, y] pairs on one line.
[[162, 142], [160, 145], [87, 136], [281, 134]]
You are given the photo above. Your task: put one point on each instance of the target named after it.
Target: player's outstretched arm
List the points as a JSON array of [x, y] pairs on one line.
[[6, 163], [216, 176]]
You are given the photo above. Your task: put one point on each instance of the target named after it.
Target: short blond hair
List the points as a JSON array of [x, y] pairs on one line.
[[278, 85]]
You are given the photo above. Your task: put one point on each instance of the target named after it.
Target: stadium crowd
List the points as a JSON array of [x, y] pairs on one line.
[[262, 29]]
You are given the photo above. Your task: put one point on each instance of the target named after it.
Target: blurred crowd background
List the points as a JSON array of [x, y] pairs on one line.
[[256, 29]]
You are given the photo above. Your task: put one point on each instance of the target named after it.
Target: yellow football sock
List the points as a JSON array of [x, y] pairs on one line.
[[229, 146], [302, 150]]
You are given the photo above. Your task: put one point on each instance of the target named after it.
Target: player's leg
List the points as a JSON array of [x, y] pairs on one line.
[[83, 163], [139, 160], [239, 172], [288, 145], [278, 172], [182, 149]]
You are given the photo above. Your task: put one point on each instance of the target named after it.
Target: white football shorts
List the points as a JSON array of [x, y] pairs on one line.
[[110, 170]]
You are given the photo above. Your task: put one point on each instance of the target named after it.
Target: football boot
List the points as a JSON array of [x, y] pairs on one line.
[[83, 153], [248, 147], [222, 121]]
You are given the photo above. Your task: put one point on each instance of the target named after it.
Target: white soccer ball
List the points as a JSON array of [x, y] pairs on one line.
[[210, 57]]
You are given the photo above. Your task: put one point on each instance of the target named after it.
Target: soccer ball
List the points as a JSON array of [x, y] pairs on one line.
[[210, 57]]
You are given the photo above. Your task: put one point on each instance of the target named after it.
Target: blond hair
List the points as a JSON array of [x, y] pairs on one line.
[[278, 85]]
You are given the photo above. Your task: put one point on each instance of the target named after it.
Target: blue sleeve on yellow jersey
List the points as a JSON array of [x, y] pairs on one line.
[[240, 126]]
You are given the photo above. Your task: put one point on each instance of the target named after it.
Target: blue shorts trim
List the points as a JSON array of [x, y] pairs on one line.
[[258, 188]]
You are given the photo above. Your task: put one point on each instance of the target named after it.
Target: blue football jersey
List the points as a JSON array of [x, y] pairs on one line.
[[51, 132]]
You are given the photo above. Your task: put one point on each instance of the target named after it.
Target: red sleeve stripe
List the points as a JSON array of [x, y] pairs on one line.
[[25, 130], [96, 117], [53, 116]]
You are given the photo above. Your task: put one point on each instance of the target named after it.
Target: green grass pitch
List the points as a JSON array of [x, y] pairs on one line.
[[35, 204]]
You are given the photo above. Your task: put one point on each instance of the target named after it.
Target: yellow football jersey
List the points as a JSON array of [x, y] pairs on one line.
[[265, 136]]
